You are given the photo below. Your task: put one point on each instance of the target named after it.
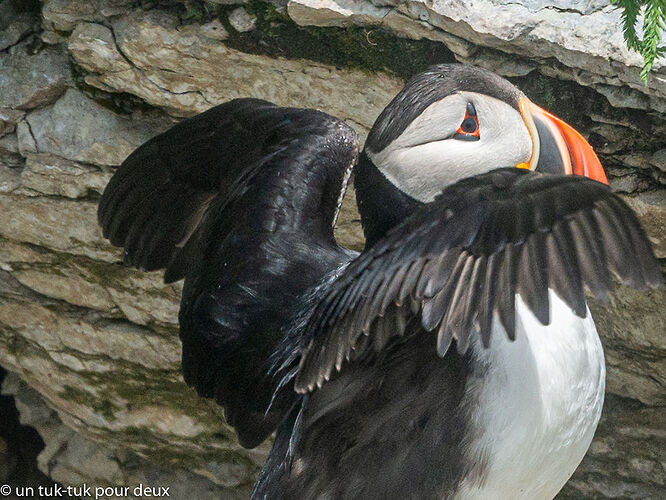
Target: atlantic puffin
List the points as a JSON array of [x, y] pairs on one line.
[[455, 357]]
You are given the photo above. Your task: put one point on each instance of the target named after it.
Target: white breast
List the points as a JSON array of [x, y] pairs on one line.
[[535, 404]]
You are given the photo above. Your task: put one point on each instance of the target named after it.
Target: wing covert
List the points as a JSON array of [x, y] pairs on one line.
[[461, 259]]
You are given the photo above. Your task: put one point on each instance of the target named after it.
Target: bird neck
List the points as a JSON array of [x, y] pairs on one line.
[[380, 203]]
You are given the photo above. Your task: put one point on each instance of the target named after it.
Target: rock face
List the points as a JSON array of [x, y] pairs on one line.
[[181, 69], [93, 345], [72, 459]]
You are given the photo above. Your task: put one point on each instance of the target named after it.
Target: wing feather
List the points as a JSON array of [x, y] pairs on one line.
[[533, 282], [487, 298], [461, 259], [240, 201], [507, 286]]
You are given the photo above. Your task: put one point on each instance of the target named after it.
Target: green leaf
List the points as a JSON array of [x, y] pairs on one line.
[[630, 12], [654, 24]]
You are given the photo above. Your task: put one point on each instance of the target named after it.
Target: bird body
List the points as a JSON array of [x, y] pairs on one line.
[[539, 397], [455, 357], [512, 420]]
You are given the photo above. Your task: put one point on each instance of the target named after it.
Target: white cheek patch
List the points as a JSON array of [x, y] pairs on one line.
[[425, 158]]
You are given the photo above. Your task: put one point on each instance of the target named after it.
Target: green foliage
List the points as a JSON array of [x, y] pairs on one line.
[[654, 23]]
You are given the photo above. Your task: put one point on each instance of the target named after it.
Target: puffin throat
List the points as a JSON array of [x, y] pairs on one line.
[[380, 203]]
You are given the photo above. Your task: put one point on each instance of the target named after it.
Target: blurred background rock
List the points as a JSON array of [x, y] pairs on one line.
[[91, 347]]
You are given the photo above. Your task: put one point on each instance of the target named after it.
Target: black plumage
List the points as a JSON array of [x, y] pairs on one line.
[[239, 200], [507, 215], [350, 357]]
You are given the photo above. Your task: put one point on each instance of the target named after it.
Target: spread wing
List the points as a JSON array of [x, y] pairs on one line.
[[239, 200], [462, 258], [158, 196]]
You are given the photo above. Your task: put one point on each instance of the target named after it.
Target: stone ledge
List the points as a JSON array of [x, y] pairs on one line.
[[585, 39], [72, 459], [182, 70]]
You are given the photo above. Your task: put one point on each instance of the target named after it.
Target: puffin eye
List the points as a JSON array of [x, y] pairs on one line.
[[469, 128]]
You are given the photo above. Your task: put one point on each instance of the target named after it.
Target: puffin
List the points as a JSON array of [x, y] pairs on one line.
[[454, 357]]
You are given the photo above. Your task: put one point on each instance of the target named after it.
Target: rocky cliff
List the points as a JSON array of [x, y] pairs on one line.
[[92, 346]]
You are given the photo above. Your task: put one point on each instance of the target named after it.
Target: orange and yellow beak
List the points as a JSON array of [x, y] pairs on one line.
[[557, 147]]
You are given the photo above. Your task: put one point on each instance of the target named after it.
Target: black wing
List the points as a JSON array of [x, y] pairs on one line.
[[239, 200], [464, 256]]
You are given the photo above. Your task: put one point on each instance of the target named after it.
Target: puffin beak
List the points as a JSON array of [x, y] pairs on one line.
[[557, 147]]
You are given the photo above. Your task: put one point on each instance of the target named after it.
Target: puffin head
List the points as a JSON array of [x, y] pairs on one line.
[[455, 121]]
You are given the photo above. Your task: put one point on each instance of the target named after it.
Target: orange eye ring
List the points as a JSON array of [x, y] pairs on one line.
[[469, 128]]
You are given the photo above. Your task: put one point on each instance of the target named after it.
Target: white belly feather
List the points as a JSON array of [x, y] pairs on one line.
[[535, 404]]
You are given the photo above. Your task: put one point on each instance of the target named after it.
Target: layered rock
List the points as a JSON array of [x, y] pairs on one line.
[[580, 41], [70, 458], [184, 71], [97, 343]]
